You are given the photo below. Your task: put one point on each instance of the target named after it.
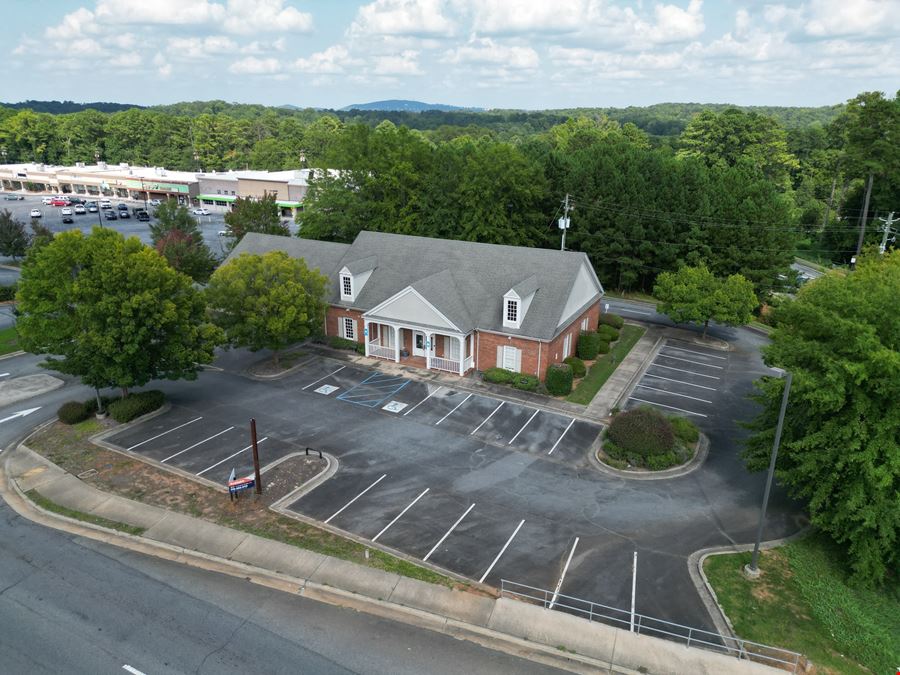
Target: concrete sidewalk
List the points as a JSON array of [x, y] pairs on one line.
[[552, 637]]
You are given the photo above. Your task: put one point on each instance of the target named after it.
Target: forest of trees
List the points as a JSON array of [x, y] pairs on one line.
[[741, 190]]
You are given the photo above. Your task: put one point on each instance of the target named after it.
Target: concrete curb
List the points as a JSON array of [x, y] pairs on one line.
[[675, 472], [12, 354], [626, 392]]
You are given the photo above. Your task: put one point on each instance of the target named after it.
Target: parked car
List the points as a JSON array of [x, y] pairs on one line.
[[13, 198], [75, 200], [66, 211], [80, 210], [122, 206], [105, 204], [46, 200], [200, 212], [124, 215], [68, 219], [110, 214], [155, 202], [35, 213], [92, 208], [143, 216]]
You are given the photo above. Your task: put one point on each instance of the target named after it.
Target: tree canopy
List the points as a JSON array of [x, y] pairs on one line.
[[177, 238], [840, 450], [251, 214], [14, 240]]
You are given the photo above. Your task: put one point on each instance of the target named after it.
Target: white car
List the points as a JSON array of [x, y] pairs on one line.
[[105, 204], [66, 211], [155, 202], [46, 200], [35, 213], [201, 212], [80, 210]]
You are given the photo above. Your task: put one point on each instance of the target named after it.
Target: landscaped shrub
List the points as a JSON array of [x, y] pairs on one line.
[[578, 369], [72, 412], [559, 379], [7, 293], [499, 375], [684, 429], [644, 431], [663, 461], [341, 343], [613, 320], [525, 382], [135, 405], [602, 347], [608, 333], [587, 346], [91, 404]]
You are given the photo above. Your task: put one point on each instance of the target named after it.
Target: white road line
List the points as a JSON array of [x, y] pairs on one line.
[[502, 551], [423, 400], [561, 437], [196, 444], [563, 575], [691, 351], [323, 378], [633, 311], [669, 379], [4, 374], [682, 370], [454, 410], [534, 414], [487, 418], [699, 363], [264, 438], [672, 393], [164, 433], [447, 533], [336, 513], [663, 405], [399, 515], [132, 670]]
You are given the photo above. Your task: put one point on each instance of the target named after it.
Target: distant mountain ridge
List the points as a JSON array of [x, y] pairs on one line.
[[403, 105], [62, 107]]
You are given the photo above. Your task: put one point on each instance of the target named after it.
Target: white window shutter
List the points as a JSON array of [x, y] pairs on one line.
[[499, 357], [518, 360]]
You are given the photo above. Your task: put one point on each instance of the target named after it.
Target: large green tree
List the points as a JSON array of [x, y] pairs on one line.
[[267, 301], [111, 311], [840, 451], [252, 214], [13, 237], [177, 238]]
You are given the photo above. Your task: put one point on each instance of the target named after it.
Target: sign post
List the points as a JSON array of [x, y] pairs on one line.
[[255, 456]]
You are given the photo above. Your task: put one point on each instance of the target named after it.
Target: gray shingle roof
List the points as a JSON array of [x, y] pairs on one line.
[[370, 262], [464, 280], [527, 286]]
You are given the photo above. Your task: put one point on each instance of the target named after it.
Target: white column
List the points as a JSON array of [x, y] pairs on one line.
[[396, 343], [366, 336], [429, 342], [462, 354]]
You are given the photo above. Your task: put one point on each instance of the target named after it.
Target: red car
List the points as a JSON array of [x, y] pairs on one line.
[[59, 202]]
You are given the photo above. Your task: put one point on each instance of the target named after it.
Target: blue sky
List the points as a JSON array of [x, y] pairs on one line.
[[488, 53]]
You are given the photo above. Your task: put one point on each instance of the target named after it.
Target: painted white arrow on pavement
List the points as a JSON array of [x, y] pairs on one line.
[[21, 413]]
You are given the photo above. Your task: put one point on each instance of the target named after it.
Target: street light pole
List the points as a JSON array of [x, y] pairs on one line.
[[752, 570]]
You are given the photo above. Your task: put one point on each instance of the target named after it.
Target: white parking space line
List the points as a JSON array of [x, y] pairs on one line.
[[336, 513], [561, 436], [533, 415], [322, 378], [690, 384], [672, 393], [423, 400], [563, 575], [487, 418], [447, 533], [132, 670], [196, 444], [4, 374], [663, 405], [502, 551], [682, 370], [209, 468], [399, 515], [669, 345], [698, 363], [454, 410], [164, 433]]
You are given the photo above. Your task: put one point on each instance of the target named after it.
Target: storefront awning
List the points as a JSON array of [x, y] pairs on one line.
[[225, 199]]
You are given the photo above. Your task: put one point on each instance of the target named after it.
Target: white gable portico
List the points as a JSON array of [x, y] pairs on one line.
[[408, 325]]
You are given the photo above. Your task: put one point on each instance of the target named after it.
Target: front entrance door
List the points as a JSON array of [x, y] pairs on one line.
[[419, 343]]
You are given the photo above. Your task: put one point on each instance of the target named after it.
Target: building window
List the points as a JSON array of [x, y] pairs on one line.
[[346, 286], [512, 311], [348, 326], [584, 324], [567, 345]]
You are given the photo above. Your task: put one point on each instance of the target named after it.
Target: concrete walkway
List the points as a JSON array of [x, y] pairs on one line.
[[552, 637]]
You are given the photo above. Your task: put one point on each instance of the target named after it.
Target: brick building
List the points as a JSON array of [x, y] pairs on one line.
[[449, 305]]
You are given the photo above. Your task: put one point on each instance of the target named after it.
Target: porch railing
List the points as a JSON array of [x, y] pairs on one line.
[[449, 365], [468, 364], [381, 352]]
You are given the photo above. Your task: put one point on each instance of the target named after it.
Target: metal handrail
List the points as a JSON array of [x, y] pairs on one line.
[[742, 649]]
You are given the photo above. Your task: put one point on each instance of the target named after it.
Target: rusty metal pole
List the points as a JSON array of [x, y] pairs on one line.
[[255, 456]]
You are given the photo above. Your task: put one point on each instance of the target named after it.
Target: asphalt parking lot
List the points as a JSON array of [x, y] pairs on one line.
[[683, 379]]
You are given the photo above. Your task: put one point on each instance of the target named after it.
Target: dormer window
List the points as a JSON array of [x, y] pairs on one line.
[[512, 311], [346, 287]]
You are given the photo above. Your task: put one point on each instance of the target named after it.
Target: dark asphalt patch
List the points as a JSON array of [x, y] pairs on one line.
[[575, 446], [438, 406], [335, 493], [470, 414], [501, 428], [434, 516], [153, 433], [542, 433]]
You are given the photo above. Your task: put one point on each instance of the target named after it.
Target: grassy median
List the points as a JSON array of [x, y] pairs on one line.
[[605, 365], [802, 602], [52, 506], [9, 340]]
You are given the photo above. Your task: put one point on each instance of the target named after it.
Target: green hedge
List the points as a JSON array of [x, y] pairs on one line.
[[608, 333], [135, 405], [588, 345], [525, 382], [499, 375], [351, 345], [643, 431], [613, 320], [73, 412], [559, 379], [8, 293], [577, 365], [684, 429], [602, 347]]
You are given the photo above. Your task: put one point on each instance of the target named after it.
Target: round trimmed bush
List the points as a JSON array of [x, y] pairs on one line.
[[499, 376], [608, 333], [587, 346], [613, 320], [684, 429], [559, 379], [525, 382], [135, 405], [643, 431], [602, 347], [577, 365], [73, 412]]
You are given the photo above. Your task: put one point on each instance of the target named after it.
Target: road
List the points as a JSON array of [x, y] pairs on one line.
[[72, 605]]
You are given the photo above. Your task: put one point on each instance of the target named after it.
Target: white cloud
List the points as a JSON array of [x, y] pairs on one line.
[[523, 16], [618, 64], [401, 17], [257, 47], [674, 24], [127, 60], [829, 18], [254, 66], [79, 22], [165, 70], [486, 50], [265, 16], [177, 12], [200, 48], [330, 61], [403, 64]]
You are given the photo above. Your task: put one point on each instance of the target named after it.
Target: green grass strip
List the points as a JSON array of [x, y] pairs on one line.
[[9, 340], [606, 365], [48, 505]]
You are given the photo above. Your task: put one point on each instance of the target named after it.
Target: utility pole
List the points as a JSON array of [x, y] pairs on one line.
[[888, 230], [865, 215], [564, 221], [255, 456]]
